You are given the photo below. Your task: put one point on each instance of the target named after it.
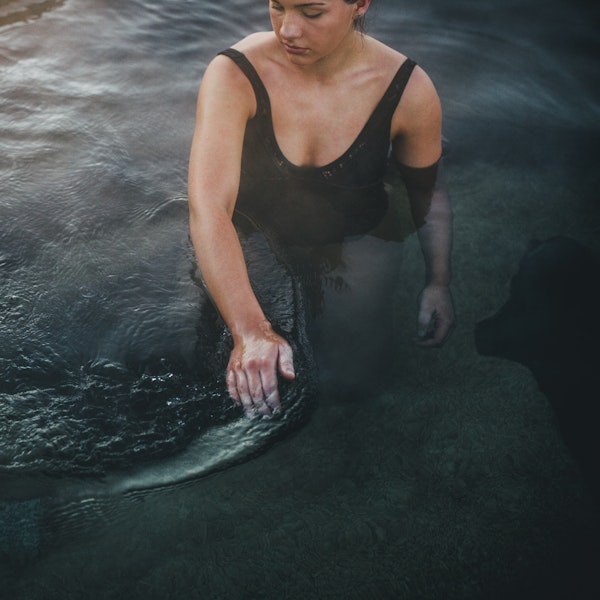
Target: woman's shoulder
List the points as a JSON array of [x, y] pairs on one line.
[[256, 42], [383, 55], [419, 86], [256, 47], [252, 46], [224, 79]]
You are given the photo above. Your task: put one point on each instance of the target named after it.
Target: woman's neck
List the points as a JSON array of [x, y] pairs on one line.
[[328, 68]]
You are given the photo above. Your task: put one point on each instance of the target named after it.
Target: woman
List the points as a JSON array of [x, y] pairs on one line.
[[287, 110]]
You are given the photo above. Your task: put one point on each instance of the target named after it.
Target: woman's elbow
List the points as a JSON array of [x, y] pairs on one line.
[[205, 216]]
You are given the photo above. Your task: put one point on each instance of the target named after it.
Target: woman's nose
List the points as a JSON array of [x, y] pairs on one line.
[[290, 27]]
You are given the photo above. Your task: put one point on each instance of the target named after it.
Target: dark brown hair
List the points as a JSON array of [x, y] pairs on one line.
[[359, 21]]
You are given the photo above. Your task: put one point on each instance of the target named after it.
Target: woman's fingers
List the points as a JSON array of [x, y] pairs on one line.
[[271, 393], [436, 316], [257, 392], [437, 334], [243, 393], [232, 386], [252, 374], [286, 361]]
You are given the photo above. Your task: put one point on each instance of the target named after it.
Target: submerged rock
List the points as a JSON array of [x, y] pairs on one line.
[[548, 325]]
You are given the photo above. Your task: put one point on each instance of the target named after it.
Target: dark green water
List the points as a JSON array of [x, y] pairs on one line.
[[454, 484]]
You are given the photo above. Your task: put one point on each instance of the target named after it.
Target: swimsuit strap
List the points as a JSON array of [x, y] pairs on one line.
[[384, 109], [260, 91], [389, 101], [376, 129]]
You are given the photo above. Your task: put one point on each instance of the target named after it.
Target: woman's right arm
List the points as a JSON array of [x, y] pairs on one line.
[[225, 103]]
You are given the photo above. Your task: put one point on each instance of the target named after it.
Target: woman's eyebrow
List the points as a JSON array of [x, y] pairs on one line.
[[304, 4]]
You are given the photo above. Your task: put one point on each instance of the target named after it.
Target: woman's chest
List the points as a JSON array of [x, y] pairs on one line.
[[316, 126]]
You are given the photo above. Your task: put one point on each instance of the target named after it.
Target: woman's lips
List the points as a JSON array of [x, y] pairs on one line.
[[294, 49]]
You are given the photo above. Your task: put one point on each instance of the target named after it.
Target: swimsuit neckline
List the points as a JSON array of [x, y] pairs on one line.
[[268, 116]]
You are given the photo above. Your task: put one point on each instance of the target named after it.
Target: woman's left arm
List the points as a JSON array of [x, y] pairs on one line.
[[417, 148]]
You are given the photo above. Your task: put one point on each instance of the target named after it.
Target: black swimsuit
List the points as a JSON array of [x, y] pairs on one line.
[[315, 205]]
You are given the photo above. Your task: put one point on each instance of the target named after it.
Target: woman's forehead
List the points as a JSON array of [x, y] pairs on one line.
[[305, 3]]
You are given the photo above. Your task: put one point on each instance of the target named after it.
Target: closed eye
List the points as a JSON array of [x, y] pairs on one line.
[[276, 6]]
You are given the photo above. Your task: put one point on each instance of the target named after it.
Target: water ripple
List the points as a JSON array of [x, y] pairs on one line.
[[98, 312]]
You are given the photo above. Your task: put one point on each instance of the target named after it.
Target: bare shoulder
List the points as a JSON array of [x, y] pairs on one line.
[[256, 42], [419, 105], [420, 88], [382, 57], [420, 92], [225, 85], [262, 49], [417, 122]]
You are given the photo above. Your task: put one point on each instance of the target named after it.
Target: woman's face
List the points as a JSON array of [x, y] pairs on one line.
[[310, 30]]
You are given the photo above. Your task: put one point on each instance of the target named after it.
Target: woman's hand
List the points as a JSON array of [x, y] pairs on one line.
[[252, 370], [436, 315]]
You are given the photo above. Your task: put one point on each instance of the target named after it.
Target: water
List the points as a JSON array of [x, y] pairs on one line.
[[100, 309], [455, 484]]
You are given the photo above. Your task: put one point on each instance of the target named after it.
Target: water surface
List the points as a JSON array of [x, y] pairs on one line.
[[454, 484]]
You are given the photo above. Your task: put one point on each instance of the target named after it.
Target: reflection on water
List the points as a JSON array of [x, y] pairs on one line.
[[16, 11], [99, 308]]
